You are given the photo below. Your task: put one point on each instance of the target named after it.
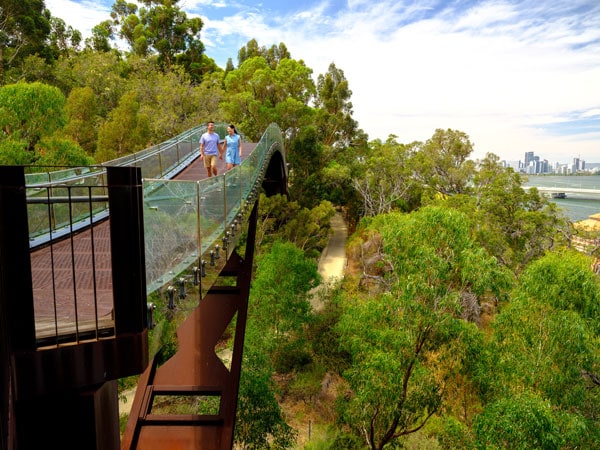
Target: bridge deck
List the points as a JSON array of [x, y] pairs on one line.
[[72, 278]]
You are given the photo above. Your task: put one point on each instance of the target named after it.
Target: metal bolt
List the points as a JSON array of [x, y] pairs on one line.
[[170, 297]]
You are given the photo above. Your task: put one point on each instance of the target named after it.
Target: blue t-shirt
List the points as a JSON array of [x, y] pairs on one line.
[[211, 143]]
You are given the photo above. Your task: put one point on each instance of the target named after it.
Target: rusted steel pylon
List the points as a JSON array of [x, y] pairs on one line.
[[196, 370]]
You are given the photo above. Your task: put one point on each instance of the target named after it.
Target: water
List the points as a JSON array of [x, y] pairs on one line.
[[575, 206]]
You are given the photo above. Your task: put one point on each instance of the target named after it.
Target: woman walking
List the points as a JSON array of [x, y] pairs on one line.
[[233, 148]]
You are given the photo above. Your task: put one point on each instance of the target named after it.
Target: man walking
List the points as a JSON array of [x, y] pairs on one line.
[[209, 149]]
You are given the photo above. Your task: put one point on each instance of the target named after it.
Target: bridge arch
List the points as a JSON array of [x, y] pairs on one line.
[[276, 175]]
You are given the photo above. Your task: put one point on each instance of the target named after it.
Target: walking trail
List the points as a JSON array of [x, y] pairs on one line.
[[333, 259]]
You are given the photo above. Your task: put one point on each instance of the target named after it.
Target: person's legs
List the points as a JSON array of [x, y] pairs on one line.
[[210, 164], [214, 166]]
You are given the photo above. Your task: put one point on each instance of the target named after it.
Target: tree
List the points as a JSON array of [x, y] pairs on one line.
[[406, 341], [126, 131], [101, 36], [259, 95], [335, 123], [82, 118], [170, 100], [441, 163], [514, 224], [64, 40], [24, 27], [519, 422], [59, 152], [278, 299], [104, 72], [260, 422], [13, 152], [305, 161], [31, 111], [160, 27], [274, 55], [384, 179], [545, 343]]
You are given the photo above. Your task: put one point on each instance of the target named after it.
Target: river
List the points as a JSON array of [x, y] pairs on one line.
[[575, 206]]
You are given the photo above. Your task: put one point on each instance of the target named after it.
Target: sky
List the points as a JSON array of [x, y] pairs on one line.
[[514, 75]]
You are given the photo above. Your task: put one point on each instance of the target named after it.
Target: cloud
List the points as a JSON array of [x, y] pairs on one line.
[[81, 15], [509, 74], [492, 71]]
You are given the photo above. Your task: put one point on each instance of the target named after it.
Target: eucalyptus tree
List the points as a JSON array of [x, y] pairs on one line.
[[170, 99], [334, 119], [384, 178], [258, 95], [104, 72], [82, 118], [30, 111], [64, 39], [160, 27], [126, 130], [24, 28], [515, 225], [545, 346], [442, 163], [273, 55], [408, 338]]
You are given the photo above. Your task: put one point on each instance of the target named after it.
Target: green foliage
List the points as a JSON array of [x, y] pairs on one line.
[[455, 434], [259, 94], [563, 280], [31, 111], [159, 26], [170, 101], [24, 27], [441, 163], [292, 355], [82, 118], [14, 152], [126, 131], [324, 337], [281, 219], [334, 121], [278, 298], [260, 422], [545, 341], [408, 340], [522, 421], [104, 72], [57, 151], [384, 179]]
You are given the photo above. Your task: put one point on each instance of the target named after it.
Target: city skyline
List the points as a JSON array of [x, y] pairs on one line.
[[535, 164]]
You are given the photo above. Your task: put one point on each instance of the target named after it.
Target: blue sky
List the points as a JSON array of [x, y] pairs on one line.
[[515, 75]]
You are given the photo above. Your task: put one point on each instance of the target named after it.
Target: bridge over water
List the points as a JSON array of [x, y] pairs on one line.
[[80, 251], [565, 189]]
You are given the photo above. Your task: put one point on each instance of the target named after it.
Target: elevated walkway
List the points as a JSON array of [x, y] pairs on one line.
[[73, 300]]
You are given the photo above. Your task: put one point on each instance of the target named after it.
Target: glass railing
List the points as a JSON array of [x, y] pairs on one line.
[[162, 161], [193, 224], [184, 221]]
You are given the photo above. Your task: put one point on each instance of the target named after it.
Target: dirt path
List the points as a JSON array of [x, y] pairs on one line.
[[333, 259]]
